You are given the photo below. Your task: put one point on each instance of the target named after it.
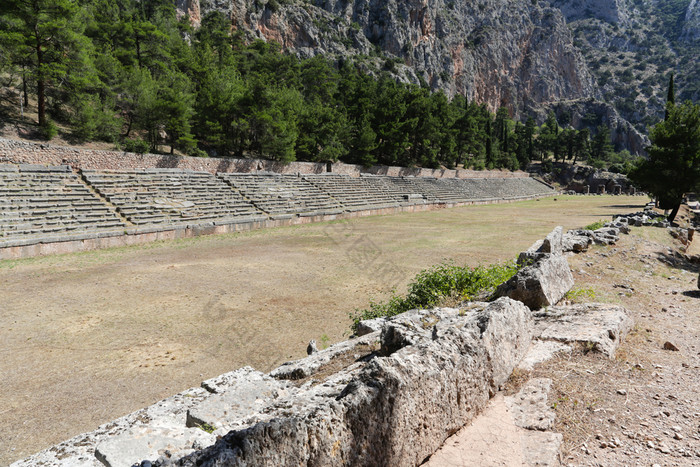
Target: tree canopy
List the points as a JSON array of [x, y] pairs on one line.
[[673, 166]]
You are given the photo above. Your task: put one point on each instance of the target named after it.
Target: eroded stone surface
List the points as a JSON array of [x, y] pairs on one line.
[[393, 410], [246, 395], [541, 351], [80, 450], [541, 284], [575, 243], [503, 434], [299, 369], [145, 442], [599, 325], [530, 406]]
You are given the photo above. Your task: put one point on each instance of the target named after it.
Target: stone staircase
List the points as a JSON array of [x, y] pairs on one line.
[[283, 195], [40, 201], [171, 196]]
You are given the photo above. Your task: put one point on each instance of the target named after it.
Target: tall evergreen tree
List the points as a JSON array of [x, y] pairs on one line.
[[670, 96], [46, 36], [673, 166]]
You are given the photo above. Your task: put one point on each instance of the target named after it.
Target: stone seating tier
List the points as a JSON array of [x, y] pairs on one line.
[[283, 194], [45, 203], [354, 193], [163, 196], [39, 201]]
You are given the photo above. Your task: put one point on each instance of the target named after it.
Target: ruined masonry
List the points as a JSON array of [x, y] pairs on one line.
[[408, 389]]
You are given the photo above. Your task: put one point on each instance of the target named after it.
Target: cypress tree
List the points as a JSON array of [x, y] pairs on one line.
[[670, 97]]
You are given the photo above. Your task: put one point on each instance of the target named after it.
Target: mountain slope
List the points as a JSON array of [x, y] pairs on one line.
[[606, 56]]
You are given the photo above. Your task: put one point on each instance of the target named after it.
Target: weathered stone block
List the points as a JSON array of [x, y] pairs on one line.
[[575, 243], [144, 443], [306, 367], [541, 284], [551, 244], [393, 410], [599, 325], [245, 395]]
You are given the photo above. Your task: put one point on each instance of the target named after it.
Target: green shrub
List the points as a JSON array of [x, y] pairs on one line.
[[48, 130], [433, 285], [138, 146], [580, 295], [595, 226]]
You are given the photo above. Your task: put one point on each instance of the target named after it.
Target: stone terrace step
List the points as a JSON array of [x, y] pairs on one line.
[[354, 193], [170, 196], [40, 200], [283, 194]]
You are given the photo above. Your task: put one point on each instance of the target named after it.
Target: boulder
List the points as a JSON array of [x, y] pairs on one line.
[[541, 284]]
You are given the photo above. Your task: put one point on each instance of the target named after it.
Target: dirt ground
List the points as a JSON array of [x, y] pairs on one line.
[[643, 407], [92, 336]]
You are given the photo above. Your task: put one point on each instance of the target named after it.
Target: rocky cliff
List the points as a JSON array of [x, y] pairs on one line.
[[527, 56], [691, 23], [517, 54]]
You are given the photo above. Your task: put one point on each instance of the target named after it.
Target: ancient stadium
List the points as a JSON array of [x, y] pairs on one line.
[[130, 278]]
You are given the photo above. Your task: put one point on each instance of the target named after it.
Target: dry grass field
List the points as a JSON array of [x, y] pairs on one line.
[[89, 337]]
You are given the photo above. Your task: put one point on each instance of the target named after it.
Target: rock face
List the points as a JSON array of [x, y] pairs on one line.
[[691, 24], [513, 54], [622, 134], [611, 11]]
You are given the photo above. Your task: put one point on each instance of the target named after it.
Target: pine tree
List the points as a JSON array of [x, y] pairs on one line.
[[673, 166], [45, 36]]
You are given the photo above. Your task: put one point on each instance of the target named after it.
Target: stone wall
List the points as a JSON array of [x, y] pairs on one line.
[[22, 152]]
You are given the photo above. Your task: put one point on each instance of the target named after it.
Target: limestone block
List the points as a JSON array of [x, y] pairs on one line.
[[150, 443], [530, 407], [575, 243], [510, 424], [551, 244], [602, 326], [541, 284], [506, 331], [606, 235], [438, 378], [244, 397], [541, 351], [368, 326], [542, 449], [167, 414], [306, 367], [532, 254]]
